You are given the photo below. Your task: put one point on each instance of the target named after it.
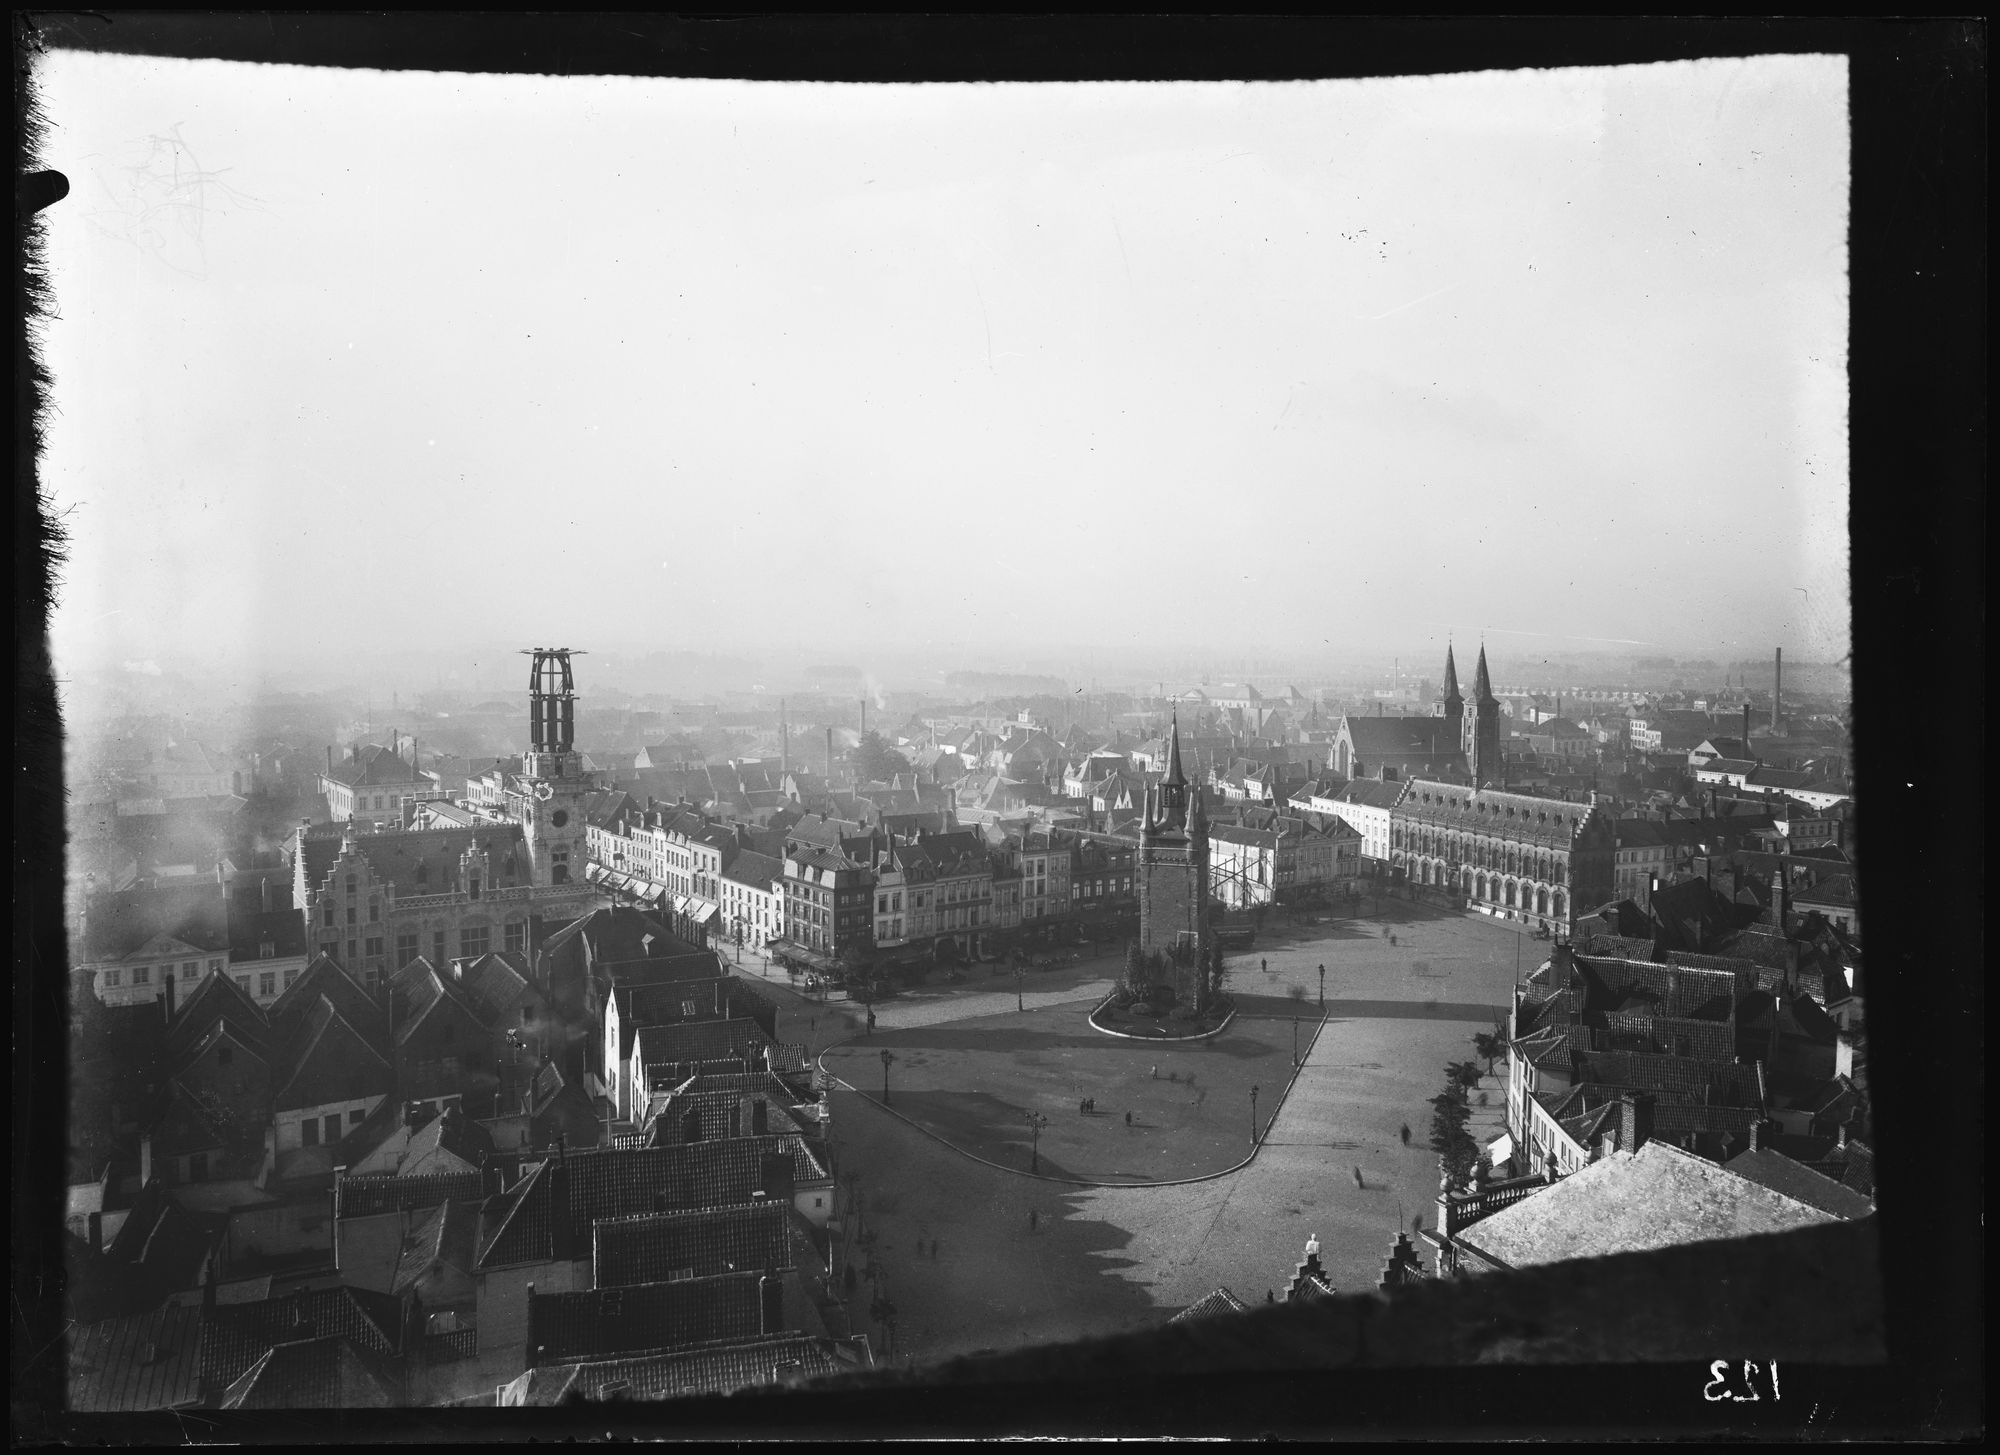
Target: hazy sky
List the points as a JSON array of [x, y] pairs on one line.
[[351, 357]]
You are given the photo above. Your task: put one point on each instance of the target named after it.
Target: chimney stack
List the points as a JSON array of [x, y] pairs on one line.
[[1746, 727], [1777, 687]]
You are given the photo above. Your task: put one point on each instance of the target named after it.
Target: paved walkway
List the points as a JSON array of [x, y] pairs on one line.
[[1110, 1258]]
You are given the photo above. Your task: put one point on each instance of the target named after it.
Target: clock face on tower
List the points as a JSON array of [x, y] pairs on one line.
[[560, 817]]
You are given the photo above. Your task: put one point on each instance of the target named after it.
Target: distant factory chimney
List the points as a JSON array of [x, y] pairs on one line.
[[1777, 687]]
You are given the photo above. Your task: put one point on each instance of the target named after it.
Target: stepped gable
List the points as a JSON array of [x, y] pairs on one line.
[[594, 1323], [659, 1247], [422, 861]]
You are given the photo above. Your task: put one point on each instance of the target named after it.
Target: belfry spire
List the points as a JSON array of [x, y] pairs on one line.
[[1175, 778], [1482, 684], [1451, 692]]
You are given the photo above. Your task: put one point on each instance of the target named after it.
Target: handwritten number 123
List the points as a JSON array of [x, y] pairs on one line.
[[1718, 1387]]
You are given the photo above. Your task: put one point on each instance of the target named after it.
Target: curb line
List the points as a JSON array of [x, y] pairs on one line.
[[1285, 1095]]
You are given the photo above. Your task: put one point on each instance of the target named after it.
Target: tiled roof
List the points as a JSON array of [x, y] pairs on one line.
[[1372, 793], [120, 922], [1219, 1301], [448, 1233], [757, 870], [720, 1368], [494, 983], [422, 861], [667, 1045], [327, 1373], [1396, 736], [372, 1193], [609, 1183], [323, 978], [1655, 1198], [239, 1334], [594, 1323], [377, 765], [326, 1060], [658, 1247], [1780, 1173], [149, 1361]]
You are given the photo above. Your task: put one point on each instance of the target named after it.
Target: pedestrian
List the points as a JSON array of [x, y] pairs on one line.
[[1032, 1220], [1265, 965], [1406, 1134], [1156, 1073], [1357, 1178], [1128, 1119]]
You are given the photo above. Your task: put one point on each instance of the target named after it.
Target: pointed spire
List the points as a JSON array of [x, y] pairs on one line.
[[1451, 692], [1482, 683], [1175, 778]]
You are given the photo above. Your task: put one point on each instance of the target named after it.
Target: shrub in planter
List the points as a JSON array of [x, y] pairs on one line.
[[1142, 1009]]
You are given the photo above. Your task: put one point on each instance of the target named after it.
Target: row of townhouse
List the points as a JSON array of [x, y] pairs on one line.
[[1268, 857]]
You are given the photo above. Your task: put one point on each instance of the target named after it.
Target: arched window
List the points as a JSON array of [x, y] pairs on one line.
[[1480, 891], [1556, 903], [1541, 901]]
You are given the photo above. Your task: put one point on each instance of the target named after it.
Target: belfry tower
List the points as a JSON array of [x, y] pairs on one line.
[[1481, 728], [549, 805], [1173, 866]]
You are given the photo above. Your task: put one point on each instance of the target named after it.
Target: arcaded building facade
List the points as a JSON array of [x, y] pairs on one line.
[[1508, 854]]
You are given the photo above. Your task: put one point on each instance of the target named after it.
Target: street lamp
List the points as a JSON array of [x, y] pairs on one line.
[[1295, 1043], [1036, 1121], [1253, 1116], [886, 1059], [1322, 987], [1018, 974]]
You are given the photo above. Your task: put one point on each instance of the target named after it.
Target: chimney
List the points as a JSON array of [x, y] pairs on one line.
[[760, 1118], [1777, 687], [1746, 727], [170, 994], [771, 1301], [1635, 1120], [776, 1176]]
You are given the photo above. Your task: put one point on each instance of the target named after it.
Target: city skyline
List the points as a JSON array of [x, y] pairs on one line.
[[936, 360]]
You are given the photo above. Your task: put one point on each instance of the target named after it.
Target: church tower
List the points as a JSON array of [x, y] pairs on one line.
[[553, 785], [1173, 870], [1454, 702], [1482, 728]]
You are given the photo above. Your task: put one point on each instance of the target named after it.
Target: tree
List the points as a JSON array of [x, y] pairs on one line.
[[1491, 1045], [1449, 1138], [874, 761], [1217, 971], [1464, 1074]]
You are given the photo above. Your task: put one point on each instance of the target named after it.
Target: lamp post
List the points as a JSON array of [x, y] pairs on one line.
[[1295, 1043], [1322, 987], [1036, 1121], [1253, 1116], [1019, 1004], [886, 1059]]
